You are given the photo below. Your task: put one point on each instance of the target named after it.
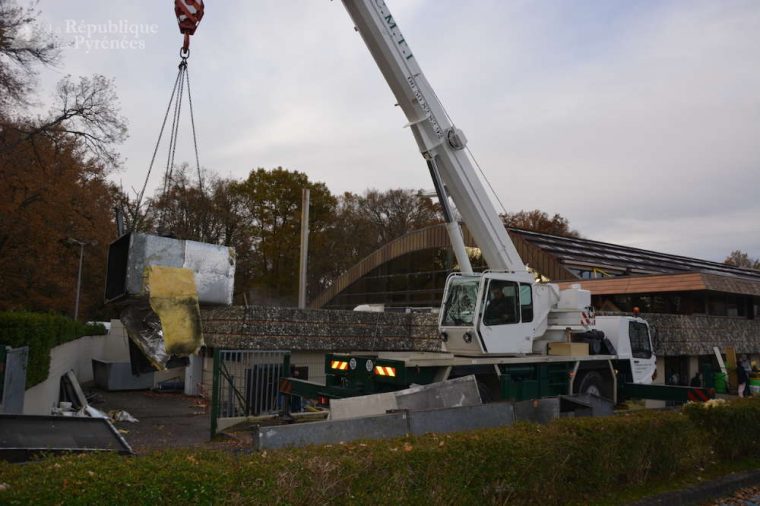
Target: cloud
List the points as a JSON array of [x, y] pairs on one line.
[[638, 121]]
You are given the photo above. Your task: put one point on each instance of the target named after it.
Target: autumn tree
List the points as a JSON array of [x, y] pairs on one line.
[[270, 205], [53, 169], [540, 221], [49, 195], [738, 258], [210, 212]]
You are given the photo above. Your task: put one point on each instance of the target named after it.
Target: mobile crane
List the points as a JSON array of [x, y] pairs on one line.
[[521, 338]]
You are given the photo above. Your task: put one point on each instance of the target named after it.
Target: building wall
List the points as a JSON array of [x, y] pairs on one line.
[[77, 356], [698, 334], [309, 330]]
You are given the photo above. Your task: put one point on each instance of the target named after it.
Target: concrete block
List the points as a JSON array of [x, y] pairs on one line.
[[448, 394], [537, 410], [484, 416], [365, 405], [331, 432]]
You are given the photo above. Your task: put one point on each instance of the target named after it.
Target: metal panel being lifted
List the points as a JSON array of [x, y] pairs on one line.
[[213, 266]]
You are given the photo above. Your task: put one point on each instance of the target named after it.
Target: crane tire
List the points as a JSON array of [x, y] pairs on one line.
[[593, 383]]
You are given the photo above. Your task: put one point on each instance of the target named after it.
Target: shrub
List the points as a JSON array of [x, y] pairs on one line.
[[578, 461], [736, 423], [41, 332]]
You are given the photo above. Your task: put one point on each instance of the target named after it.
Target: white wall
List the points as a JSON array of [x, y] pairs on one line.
[[77, 356]]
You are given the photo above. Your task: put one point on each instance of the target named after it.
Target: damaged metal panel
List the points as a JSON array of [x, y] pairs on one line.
[[213, 266], [13, 362], [23, 437]]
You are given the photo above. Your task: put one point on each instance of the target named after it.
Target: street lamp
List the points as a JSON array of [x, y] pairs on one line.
[[81, 245]]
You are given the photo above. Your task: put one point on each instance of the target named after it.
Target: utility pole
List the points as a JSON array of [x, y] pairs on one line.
[[81, 245], [304, 248]]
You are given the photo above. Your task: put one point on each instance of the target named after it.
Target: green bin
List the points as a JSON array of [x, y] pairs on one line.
[[720, 382]]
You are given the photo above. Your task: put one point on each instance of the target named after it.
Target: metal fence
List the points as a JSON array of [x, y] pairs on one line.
[[245, 383]]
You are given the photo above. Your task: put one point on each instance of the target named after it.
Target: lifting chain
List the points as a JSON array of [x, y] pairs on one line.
[[189, 14]]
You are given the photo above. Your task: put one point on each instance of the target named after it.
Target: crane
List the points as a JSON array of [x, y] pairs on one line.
[[472, 320]]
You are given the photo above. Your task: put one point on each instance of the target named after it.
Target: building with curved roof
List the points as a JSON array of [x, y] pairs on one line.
[[411, 272]]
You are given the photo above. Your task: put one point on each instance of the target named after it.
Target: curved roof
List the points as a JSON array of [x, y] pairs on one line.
[[432, 237]]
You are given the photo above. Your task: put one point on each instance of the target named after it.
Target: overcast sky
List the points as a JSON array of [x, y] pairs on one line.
[[639, 121]]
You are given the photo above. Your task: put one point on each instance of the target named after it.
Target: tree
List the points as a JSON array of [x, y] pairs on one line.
[[49, 194], [738, 258], [539, 221], [270, 206], [210, 214], [23, 47], [394, 213], [53, 170]]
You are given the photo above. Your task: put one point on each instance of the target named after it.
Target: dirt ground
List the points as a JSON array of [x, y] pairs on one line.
[[743, 497], [166, 420]]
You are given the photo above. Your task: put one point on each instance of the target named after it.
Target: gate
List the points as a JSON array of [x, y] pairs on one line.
[[245, 384]]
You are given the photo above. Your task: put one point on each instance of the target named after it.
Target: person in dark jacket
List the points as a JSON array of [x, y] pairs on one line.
[[741, 378], [500, 309]]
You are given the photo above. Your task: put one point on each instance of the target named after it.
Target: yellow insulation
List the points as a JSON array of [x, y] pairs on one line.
[[174, 298]]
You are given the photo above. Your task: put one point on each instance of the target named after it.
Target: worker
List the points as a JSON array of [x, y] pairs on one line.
[[500, 309], [741, 378], [744, 362]]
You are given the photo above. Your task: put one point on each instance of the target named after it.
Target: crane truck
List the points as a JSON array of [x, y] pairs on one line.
[[521, 338]]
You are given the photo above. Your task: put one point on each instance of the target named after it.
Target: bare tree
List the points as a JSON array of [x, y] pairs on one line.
[[24, 46]]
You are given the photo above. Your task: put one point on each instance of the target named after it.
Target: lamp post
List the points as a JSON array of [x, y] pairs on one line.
[[81, 245]]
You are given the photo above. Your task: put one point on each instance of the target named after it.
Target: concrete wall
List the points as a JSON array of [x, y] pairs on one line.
[[77, 356], [694, 335], [698, 334], [315, 361], [268, 328]]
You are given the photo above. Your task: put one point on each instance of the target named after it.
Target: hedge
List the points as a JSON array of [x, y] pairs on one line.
[[577, 461], [41, 332]]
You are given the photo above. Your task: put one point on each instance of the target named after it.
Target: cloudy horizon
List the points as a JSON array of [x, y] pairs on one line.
[[639, 121]]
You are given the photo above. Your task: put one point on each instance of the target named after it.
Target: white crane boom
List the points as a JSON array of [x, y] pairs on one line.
[[440, 142]]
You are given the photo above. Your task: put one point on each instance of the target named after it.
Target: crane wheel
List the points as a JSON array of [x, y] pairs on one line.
[[593, 383]]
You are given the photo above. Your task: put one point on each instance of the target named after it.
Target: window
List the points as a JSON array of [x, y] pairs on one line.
[[641, 347], [526, 302], [459, 308], [501, 305]]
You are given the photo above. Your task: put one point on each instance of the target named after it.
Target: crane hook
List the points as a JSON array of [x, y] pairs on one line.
[[189, 14]]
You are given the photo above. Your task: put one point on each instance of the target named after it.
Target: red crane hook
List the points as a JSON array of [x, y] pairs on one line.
[[189, 14]]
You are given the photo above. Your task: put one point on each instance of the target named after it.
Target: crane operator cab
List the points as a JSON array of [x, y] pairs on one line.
[[492, 313]]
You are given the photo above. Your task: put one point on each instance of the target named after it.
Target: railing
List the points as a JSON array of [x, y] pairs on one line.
[[245, 384]]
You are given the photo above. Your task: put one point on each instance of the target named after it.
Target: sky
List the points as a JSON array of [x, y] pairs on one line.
[[638, 120]]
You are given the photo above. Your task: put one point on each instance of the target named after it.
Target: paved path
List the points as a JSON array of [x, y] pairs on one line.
[[166, 420], [737, 489]]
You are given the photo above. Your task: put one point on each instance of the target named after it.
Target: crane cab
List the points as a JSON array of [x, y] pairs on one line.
[[491, 313]]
